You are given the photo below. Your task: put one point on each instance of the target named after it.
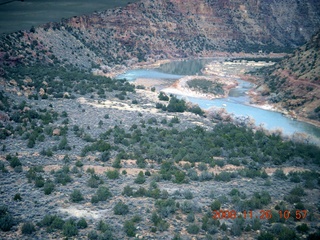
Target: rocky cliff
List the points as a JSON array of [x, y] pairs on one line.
[[151, 29], [294, 83]]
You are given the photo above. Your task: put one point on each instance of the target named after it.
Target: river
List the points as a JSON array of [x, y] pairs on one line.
[[236, 103]]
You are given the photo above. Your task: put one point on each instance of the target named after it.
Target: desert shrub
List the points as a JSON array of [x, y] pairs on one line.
[[202, 167], [179, 176], [129, 228], [6, 220], [292, 198], [193, 175], [155, 218], [102, 194], [223, 176], [165, 207], [79, 164], [112, 174], [303, 228], [190, 217], [280, 174], [105, 156], [57, 223], [215, 205], [193, 229], [48, 187], [120, 208], [28, 228], [17, 197], [128, 191], [82, 223], [76, 196], [15, 162], [188, 207], [93, 235], [237, 226], [69, 228], [205, 176], [94, 181], [256, 224], [297, 191], [294, 177], [117, 163], [62, 176], [39, 181], [176, 105], [163, 97], [103, 226], [188, 194], [163, 225], [265, 236], [140, 178]]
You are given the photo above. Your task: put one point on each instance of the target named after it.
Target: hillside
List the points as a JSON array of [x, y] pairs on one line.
[[294, 83], [149, 30], [85, 156]]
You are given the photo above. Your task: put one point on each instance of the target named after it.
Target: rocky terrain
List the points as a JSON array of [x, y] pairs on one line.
[[88, 157], [151, 30], [85, 156], [294, 83]]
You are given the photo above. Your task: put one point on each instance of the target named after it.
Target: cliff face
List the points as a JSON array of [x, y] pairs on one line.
[[165, 29], [294, 83]]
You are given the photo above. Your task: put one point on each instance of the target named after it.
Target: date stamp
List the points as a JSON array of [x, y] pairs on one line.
[[259, 214]]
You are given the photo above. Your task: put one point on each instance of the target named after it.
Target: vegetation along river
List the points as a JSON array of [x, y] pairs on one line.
[[236, 103]]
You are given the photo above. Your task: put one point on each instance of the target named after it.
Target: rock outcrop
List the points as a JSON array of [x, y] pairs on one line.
[[294, 83], [151, 29]]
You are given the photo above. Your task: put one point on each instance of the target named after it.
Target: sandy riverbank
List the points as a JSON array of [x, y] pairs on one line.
[[180, 87]]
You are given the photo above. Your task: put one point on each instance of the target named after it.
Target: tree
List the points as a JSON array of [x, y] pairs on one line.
[[215, 205], [163, 97], [112, 174], [82, 223], [69, 229], [102, 194], [129, 228], [121, 208], [76, 196], [176, 105], [140, 178]]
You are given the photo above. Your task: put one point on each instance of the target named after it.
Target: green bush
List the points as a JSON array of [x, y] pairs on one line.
[[121, 208], [76, 196], [163, 97], [94, 181], [112, 174], [102, 194], [62, 176], [6, 220], [82, 223], [28, 228], [129, 228], [215, 205], [69, 229], [193, 229], [15, 162], [140, 178], [280, 174], [17, 197]]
